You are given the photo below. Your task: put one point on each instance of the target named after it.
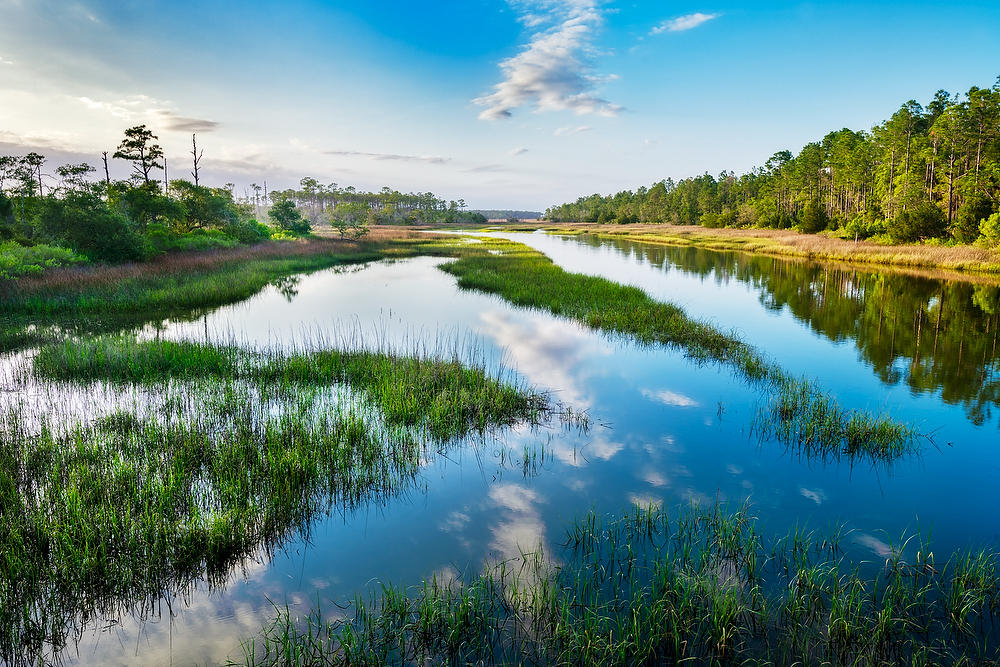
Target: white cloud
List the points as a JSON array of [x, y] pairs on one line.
[[150, 111], [392, 157], [880, 547], [4, 61], [670, 398], [553, 72], [570, 131], [816, 496], [517, 151], [682, 23], [645, 500]]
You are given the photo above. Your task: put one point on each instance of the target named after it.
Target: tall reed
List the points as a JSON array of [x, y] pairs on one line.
[[701, 585]]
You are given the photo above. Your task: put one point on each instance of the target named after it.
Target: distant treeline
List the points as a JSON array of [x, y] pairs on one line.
[[927, 172], [387, 206], [501, 214], [70, 217]]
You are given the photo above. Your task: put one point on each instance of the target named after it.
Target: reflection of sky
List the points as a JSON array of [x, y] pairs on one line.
[[548, 352], [666, 431]]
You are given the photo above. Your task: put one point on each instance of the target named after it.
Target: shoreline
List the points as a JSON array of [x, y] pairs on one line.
[[956, 262]]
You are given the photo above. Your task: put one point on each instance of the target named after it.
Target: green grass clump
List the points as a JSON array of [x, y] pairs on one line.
[[17, 261], [200, 457], [442, 395], [796, 412], [702, 586]]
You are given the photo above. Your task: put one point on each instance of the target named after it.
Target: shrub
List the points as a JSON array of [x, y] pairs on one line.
[[728, 218], [970, 215], [163, 239], [17, 260], [710, 220], [248, 231], [83, 221], [288, 218], [863, 227], [813, 219], [990, 229], [6, 216], [923, 221]]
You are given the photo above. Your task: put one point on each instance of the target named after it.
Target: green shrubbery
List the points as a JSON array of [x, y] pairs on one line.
[[813, 219], [923, 221], [990, 229], [863, 227], [17, 260]]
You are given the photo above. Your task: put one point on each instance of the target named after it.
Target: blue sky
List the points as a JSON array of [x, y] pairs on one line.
[[506, 103]]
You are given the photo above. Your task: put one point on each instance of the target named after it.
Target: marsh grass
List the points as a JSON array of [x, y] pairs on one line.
[[795, 410], [701, 585], [178, 283], [208, 457], [437, 394]]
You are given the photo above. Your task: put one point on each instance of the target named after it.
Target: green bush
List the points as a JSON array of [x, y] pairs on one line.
[[6, 216], [17, 260], [248, 231], [990, 229], [813, 219], [923, 221], [728, 218], [288, 218], [969, 217], [863, 227], [710, 220], [163, 239], [83, 221]]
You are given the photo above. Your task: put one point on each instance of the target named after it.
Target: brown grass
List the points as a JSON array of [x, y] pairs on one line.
[[81, 277]]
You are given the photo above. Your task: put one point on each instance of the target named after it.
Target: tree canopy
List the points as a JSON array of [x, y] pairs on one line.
[[927, 172]]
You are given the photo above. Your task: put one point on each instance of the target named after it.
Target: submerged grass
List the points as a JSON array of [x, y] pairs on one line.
[[442, 395], [702, 586], [796, 411], [214, 455]]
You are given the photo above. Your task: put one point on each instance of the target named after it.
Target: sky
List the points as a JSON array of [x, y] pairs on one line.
[[503, 103]]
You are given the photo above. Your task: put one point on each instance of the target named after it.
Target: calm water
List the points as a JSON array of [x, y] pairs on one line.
[[667, 431]]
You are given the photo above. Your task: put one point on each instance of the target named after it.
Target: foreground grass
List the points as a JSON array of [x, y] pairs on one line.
[[703, 586], [796, 411], [231, 454]]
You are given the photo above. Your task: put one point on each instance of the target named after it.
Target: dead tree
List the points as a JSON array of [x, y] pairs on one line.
[[196, 157]]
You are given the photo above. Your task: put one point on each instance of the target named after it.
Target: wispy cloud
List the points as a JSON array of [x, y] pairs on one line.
[[489, 169], [149, 110], [177, 123], [5, 61], [668, 397], [429, 159], [682, 23], [554, 71], [569, 131], [517, 151]]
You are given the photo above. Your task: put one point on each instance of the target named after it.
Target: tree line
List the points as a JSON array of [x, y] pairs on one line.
[[78, 214], [320, 202], [928, 172]]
